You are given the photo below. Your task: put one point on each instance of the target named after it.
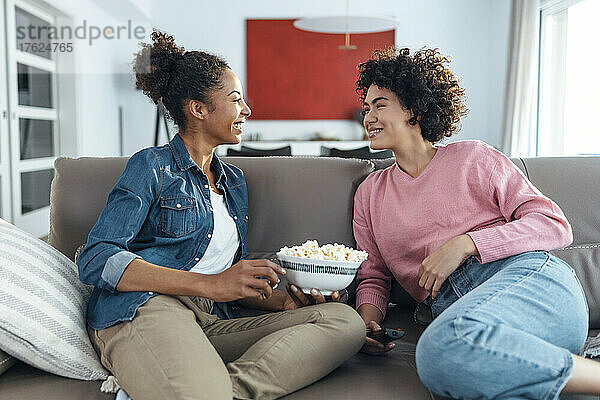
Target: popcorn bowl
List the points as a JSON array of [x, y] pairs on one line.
[[325, 275]]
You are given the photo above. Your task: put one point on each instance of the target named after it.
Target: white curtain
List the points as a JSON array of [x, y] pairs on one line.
[[520, 115]]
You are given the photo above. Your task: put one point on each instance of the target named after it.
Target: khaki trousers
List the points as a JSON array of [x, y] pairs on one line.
[[175, 349]]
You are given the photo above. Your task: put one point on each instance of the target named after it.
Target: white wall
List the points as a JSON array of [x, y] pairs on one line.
[[473, 32], [101, 73]]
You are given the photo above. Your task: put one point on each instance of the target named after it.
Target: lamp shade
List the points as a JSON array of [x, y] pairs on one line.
[[346, 24]]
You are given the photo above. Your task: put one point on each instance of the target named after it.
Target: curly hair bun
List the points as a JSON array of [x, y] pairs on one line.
[[155, 64]]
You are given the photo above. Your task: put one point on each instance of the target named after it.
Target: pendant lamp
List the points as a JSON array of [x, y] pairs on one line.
[[346, 24]]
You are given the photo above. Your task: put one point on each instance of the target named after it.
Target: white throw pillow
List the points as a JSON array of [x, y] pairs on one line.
[[43, 307]]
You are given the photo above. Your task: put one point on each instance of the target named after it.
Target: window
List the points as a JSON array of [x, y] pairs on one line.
[[569, 90]]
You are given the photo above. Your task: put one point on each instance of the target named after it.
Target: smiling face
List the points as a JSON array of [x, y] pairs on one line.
[[229, 111], [386, 121]]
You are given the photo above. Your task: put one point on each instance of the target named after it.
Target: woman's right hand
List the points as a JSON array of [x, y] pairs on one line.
[[371, 345], [245, 279], [371, 314]]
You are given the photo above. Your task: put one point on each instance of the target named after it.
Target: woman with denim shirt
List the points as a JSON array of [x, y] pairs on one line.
[[464, 232], [168, 253]]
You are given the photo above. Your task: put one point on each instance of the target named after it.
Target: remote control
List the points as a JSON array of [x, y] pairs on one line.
[[387, 335]]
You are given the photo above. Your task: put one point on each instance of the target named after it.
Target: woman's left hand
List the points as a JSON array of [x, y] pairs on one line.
[[442, 262], [296, 298]]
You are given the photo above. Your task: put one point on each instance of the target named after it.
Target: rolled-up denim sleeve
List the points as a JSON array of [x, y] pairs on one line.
[[107, 253]]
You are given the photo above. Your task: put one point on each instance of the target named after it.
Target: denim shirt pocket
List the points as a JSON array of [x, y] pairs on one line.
[[178, 215]]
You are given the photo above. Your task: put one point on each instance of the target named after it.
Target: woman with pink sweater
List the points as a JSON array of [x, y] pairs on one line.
[[465, 233]]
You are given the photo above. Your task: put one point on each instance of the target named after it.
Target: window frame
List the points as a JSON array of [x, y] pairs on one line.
[[550, 132], [36, 221]]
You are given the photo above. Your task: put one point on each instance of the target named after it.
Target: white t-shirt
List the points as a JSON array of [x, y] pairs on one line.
[[224, 242]]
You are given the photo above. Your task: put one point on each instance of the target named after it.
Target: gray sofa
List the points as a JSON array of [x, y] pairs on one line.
[[292, 199]]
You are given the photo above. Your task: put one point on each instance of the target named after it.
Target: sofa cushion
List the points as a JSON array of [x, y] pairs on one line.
[[389, 376], [392, 376], [569, 181], [24, 382], [78, 195], [292, 199], [585, 260], [6, 361], [43, 307]]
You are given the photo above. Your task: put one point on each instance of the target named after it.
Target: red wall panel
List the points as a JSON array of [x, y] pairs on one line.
[[294, 74]]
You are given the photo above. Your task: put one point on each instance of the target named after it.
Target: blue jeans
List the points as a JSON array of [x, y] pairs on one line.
[[504, 329]]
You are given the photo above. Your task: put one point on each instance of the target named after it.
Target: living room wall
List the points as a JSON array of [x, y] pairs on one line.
[[474, 32], [100, 74]]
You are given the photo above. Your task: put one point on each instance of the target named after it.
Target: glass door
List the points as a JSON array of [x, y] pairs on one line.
[[5, 209], [33, 119]]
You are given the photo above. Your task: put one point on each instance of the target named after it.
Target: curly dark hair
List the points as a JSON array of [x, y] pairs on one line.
[[423, 84], [168, 73]]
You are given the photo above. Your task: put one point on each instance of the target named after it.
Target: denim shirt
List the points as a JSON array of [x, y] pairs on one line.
[[158, 211]]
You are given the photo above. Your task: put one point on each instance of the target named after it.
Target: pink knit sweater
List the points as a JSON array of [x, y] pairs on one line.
[[468, 187]]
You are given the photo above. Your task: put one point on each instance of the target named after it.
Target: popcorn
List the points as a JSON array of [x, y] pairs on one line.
[[337, 252]]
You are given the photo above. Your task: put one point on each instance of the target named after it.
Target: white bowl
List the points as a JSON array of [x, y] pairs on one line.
[[325, 275]]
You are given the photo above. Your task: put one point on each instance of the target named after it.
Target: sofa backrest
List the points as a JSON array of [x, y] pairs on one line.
[[78, 195], [292, 199], [574, 184]]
